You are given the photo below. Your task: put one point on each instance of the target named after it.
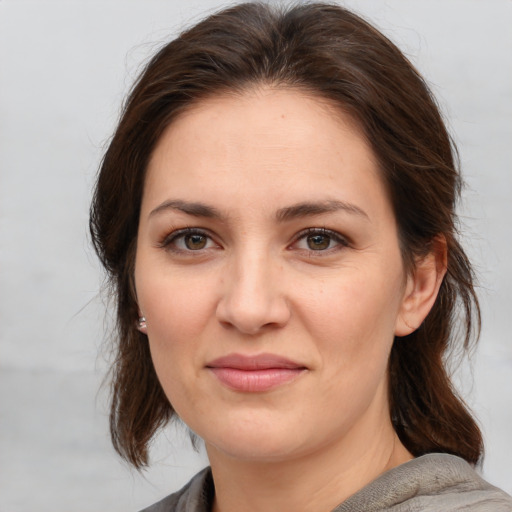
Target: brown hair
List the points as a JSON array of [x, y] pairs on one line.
[[332, 53]]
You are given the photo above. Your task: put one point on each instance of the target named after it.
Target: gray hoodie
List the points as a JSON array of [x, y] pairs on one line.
[[432, 483]]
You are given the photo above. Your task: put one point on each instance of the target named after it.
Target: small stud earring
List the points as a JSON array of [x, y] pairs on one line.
[[142, 325]]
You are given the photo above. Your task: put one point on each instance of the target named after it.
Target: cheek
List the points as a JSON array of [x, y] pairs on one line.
[[352, 326], [176, 308], [353, 318], [174, 319], [177, 311]]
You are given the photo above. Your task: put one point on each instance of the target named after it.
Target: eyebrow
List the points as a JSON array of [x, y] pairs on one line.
[[305, 209], [190, 208], [308, 209]]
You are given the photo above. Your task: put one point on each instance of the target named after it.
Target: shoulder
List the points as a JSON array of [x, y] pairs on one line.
[[429, 483], [196, 496]]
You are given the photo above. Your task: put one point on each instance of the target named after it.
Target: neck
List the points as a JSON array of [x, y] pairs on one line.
[[312, 482]]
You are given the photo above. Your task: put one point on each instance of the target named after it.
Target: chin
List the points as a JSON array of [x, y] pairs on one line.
[[254, 449], [263, 441]]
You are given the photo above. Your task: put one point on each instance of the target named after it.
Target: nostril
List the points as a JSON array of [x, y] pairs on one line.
[[252, 295], [252, 317]]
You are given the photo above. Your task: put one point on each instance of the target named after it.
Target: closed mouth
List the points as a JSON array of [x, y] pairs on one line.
[[258, 373]]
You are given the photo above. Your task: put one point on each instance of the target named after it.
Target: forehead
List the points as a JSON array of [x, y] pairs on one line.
[[278, 142]]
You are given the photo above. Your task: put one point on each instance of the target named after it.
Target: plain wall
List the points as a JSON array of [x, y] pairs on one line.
[[64, 69]]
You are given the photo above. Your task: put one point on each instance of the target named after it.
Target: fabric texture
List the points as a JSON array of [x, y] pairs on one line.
[[432, 483]]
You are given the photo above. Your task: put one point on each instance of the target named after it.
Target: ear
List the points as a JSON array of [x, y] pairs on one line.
[[422, 287]]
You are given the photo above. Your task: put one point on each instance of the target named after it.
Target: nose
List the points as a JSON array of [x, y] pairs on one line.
[[253, 298]]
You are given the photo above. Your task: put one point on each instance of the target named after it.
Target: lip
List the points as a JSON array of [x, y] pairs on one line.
[[254, 374]]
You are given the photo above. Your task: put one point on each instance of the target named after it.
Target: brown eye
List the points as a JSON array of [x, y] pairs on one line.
[[195, 241], [318, 242], [188, 240]]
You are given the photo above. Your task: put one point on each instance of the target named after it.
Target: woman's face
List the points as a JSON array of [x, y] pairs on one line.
[[269, 271]]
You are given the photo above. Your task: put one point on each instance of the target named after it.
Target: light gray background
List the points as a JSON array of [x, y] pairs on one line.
[[64, 68]]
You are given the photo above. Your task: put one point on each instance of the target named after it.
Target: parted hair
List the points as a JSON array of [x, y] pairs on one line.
[[331, 53]]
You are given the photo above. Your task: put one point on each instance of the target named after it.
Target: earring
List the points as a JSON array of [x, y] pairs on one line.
[[141, 324]]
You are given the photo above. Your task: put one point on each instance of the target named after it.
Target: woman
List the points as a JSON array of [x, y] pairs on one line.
[[276, 214]]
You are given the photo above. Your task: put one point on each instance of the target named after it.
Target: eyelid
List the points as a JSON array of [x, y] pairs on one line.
[[337, 237], [167, 240]]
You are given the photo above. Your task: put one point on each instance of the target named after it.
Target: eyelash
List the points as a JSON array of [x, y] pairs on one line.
[[333, 235], [169, 240]]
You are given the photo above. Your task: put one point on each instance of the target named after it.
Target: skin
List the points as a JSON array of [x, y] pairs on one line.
[[252, 281]]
